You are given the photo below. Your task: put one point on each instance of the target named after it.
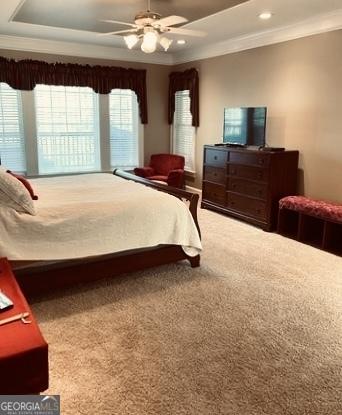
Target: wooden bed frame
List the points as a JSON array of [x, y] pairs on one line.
[[40, 277]]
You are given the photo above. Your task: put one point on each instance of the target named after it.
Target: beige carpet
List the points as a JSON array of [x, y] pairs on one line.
[[255, 330]]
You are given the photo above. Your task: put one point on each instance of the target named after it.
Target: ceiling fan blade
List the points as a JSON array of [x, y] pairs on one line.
[[117, 32], [170, 21], [186, 32], [118, 22]]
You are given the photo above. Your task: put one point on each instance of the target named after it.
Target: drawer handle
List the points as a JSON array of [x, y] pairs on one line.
[[261, 161], [215, 157]]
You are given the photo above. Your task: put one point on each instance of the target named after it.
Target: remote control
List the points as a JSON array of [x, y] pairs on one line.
[[272, 149]]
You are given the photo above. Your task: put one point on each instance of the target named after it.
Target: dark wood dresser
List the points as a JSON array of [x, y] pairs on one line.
[[248, 184]]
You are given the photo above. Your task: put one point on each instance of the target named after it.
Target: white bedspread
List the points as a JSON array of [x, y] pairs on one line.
[[95, 214]]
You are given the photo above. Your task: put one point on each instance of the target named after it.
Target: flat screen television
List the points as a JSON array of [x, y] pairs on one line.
[[245, 126]]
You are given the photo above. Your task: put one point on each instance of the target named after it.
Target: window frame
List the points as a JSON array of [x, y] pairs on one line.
[[138, 130], [94, 136], [173, 142], [21, 128]]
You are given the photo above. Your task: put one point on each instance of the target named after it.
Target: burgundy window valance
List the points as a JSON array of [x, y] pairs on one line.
[[26, 74], [180, 81]]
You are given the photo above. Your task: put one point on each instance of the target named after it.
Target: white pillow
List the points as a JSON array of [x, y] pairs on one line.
[[13, 194]]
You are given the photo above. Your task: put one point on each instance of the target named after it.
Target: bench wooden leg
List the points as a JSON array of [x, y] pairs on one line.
[[300, 232], [288, 223], [332, 237], [326, 234]]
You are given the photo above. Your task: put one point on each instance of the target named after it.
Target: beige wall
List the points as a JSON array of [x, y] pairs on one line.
[[301, 84], [156, 132]]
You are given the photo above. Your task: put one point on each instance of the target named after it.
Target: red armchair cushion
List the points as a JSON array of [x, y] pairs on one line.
[[174, 179], [144, 171], [159, 177]]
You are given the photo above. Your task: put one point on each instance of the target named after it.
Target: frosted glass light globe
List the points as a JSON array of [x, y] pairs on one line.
[[149, 44], [131, 40], [165, 43]]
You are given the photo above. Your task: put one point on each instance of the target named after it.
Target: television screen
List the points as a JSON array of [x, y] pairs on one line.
[[245, 126]]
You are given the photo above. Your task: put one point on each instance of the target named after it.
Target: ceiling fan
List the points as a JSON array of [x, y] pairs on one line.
[[151, 28]]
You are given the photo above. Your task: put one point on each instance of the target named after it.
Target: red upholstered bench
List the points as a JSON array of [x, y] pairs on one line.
[[316, 208], [23, 350], [315, 222]]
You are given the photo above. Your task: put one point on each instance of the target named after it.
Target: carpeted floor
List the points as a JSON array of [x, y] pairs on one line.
[[255, 330]]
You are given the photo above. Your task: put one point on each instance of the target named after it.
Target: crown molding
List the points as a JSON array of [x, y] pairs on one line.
[[319, 24], [82, 50]]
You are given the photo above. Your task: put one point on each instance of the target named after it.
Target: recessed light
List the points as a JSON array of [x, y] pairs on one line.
[[265, 15], [181, 42]]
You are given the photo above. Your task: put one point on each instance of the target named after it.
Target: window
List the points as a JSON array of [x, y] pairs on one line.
[[12, 145], [67, 129], [183, 140], [124, 135]]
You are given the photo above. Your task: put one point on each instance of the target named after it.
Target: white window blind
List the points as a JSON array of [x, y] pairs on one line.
[[183, 131], [124, 128], [67, 129], [12, 145]]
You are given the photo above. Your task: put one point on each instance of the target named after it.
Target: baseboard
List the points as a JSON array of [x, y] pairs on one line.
[[193, 189]]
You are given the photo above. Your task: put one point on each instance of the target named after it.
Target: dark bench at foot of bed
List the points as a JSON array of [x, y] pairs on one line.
[[315, 222]]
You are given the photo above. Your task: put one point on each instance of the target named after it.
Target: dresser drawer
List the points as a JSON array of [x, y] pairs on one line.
[[246, 205], [216, 158], [215, 174], [248, 188], [214, 193], [248, 172], [253, 159]]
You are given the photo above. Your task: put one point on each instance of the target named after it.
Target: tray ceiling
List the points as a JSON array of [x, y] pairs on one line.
[[85, 14], [69, 27]]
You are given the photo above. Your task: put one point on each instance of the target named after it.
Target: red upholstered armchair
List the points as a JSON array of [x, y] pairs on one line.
[[167, 168]]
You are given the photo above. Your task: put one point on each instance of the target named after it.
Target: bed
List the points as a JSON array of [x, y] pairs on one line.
[[97, 225]]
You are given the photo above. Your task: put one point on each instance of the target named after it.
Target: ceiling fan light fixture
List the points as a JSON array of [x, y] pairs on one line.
[[131, 40], [150, 27], [149, 44], [165, 43]]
